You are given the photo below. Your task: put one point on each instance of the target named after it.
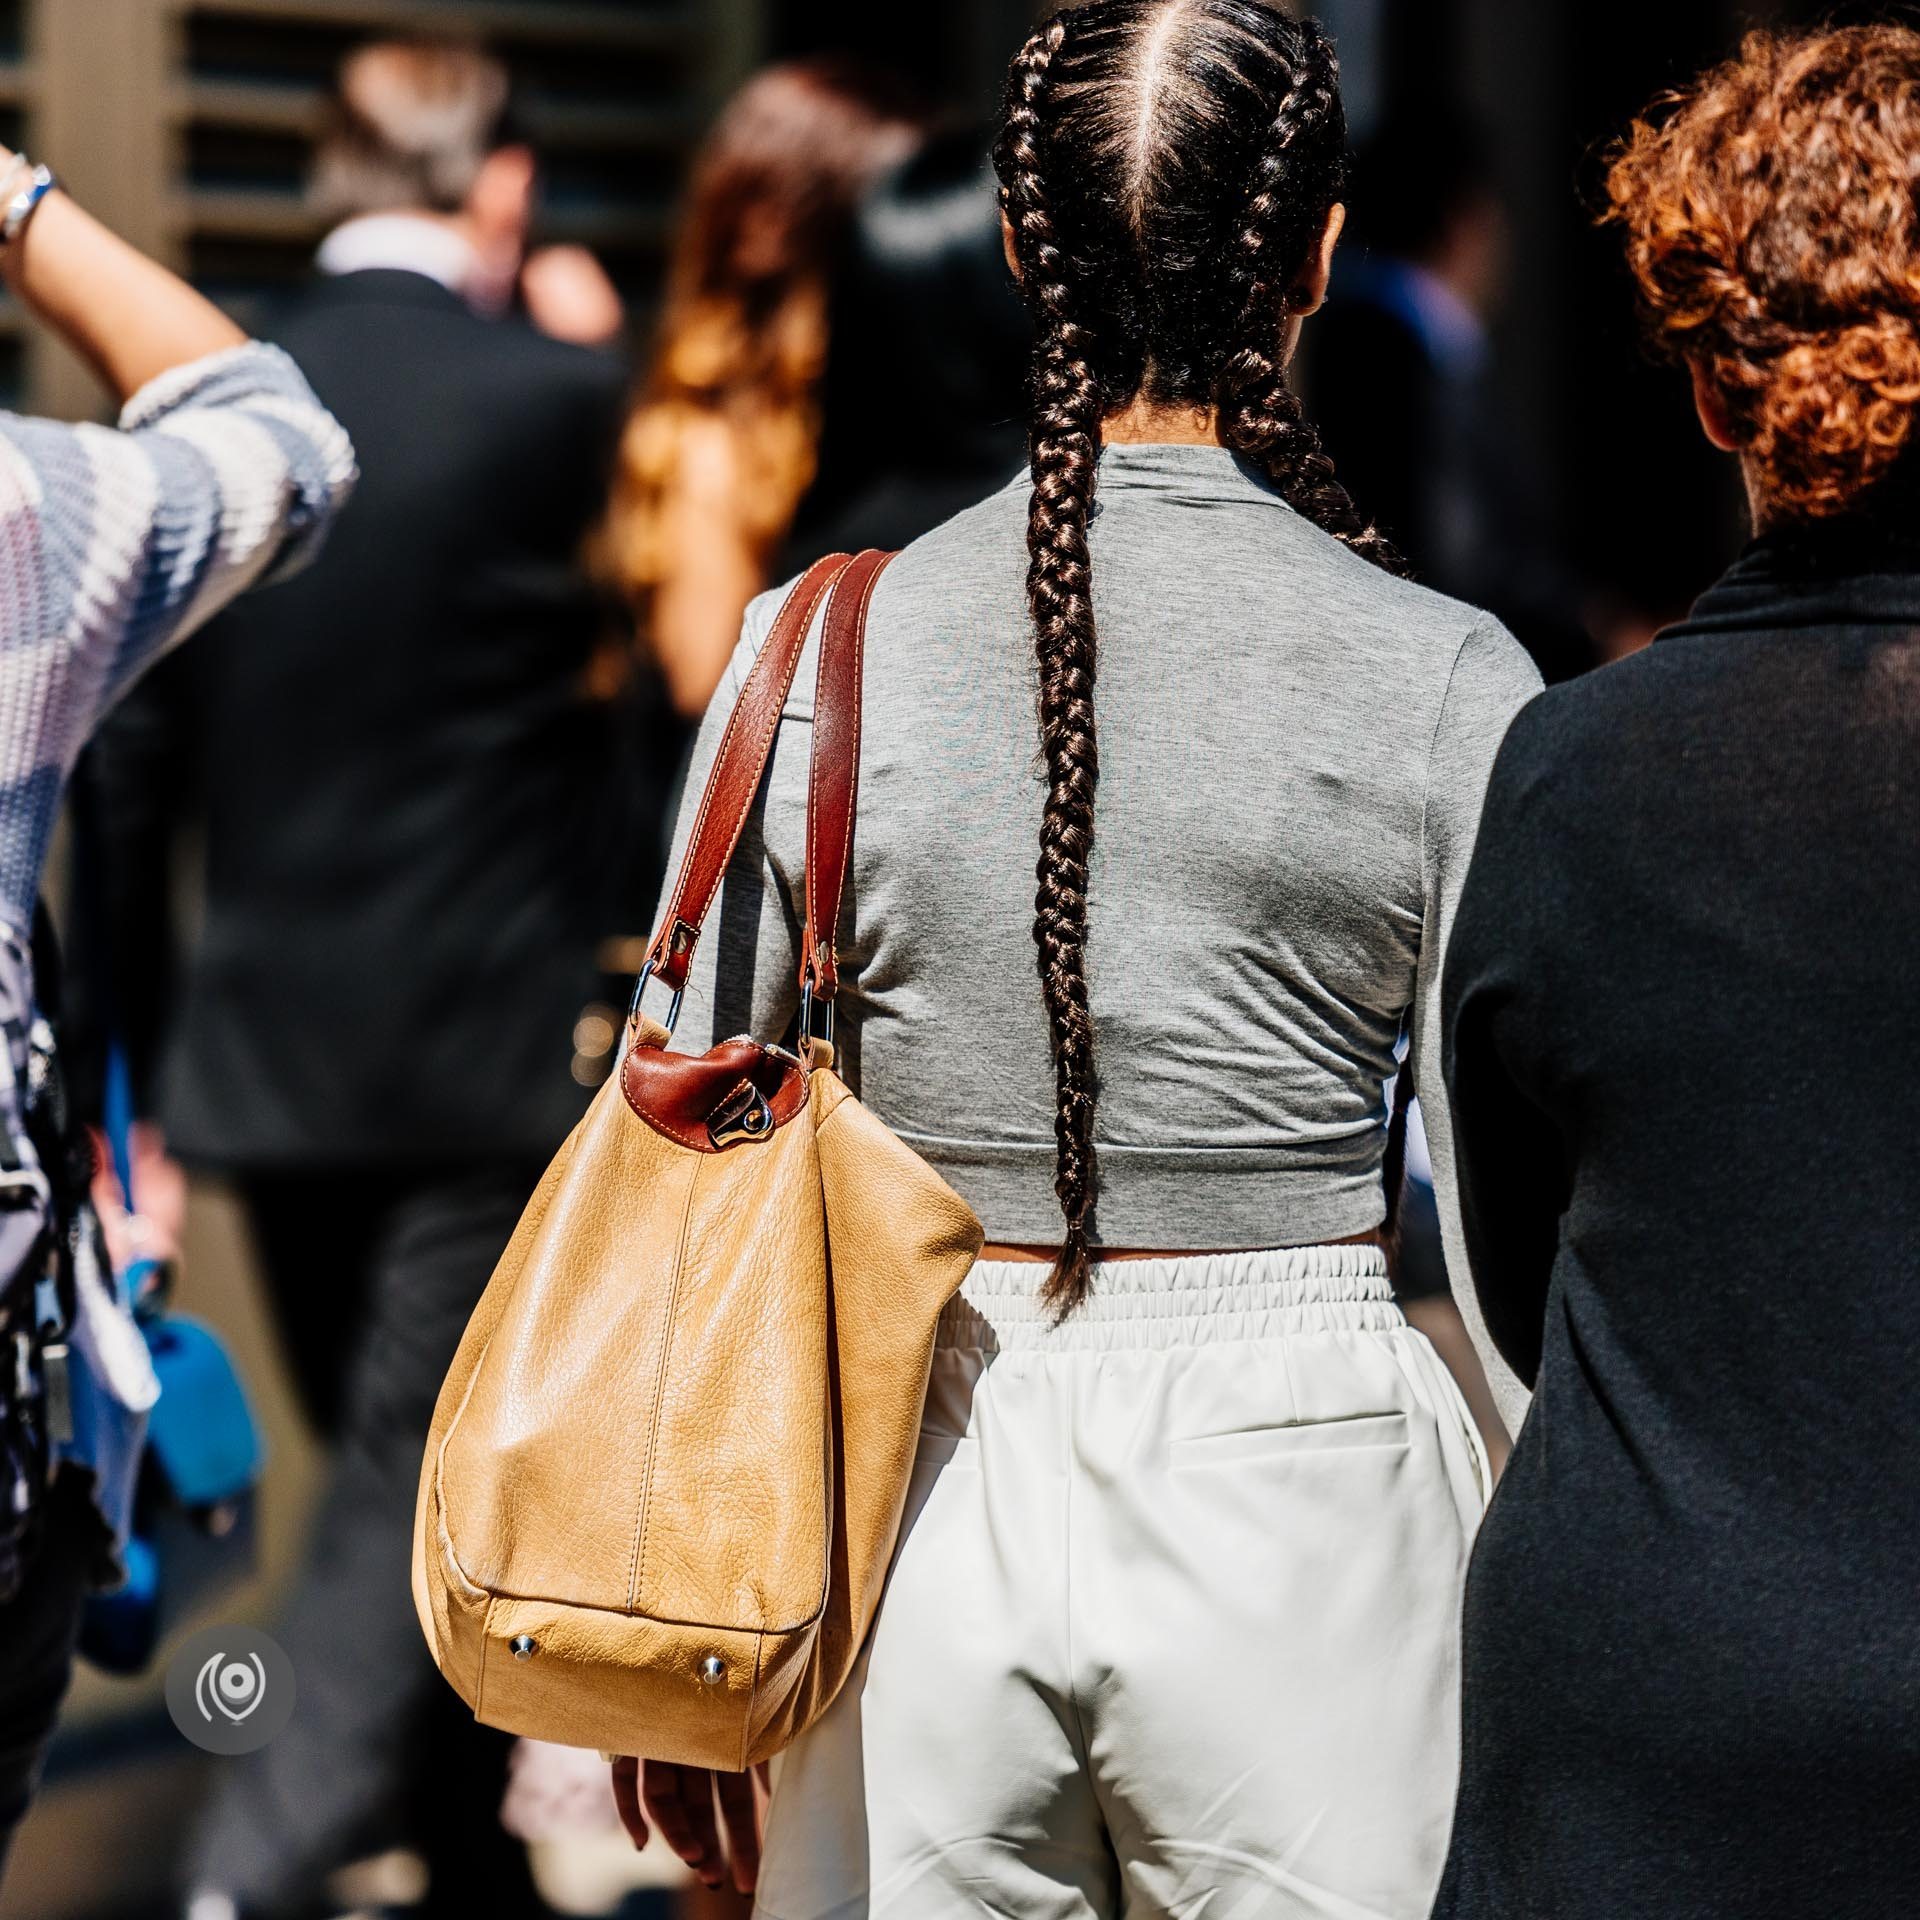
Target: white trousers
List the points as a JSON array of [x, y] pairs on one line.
[[1172, 1627]]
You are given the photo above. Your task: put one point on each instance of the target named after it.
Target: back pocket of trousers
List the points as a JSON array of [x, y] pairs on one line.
[[1300, 1439], [945, 1450]]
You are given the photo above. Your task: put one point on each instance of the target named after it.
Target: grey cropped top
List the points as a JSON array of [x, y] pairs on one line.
[[1293, 752]]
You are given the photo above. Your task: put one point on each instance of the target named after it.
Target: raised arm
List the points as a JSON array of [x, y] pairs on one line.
[[116, 543], [122, 542], [224, 464], [125, 315], [1492, 680]]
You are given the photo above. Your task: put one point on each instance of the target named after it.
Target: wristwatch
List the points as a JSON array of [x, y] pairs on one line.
[[24, 188]]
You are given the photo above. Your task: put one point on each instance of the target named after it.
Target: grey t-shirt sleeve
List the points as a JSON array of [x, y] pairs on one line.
[[745, 975], [1492, 680]]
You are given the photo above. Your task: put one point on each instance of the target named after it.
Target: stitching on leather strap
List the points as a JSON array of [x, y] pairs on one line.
[[762, 747], [700, 1139], [822, 704], [684, 877], [827, 889], [853, 764], [660, 1124], [720, 757], [683, 909], [687, 912]]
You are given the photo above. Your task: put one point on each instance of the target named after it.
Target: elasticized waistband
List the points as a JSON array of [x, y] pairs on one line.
[[1171, 1303]]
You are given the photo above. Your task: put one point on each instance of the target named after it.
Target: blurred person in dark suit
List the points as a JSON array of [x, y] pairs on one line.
[[1403, 392], [404, 810], [922, 302]]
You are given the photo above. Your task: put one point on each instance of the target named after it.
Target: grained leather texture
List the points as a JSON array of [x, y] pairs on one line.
[[679, 1429], [738, 769], [666, 1472], [899, 1243], [834, 776], [680, 1094]]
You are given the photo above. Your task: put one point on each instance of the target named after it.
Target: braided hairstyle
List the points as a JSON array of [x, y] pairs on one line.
[[1166, 168]]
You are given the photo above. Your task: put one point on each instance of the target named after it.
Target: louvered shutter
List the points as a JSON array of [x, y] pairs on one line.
[[187, 124]]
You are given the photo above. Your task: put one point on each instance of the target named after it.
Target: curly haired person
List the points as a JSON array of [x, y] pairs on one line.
[[1682, 1030]]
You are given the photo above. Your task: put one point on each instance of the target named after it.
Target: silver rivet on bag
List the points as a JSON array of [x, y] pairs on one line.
[[712, 1670], [524, 1646]]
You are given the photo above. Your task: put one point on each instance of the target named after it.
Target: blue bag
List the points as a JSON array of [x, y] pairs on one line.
[[193, 1526]]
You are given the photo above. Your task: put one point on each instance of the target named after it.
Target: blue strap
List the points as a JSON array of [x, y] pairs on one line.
[[117, 1113]]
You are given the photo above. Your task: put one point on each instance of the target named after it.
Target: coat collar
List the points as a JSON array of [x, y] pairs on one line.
[[400, 243], [1850, 573], [384, 287]]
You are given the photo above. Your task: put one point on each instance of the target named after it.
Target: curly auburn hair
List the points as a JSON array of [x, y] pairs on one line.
[[1772, 228], [1166, 168]]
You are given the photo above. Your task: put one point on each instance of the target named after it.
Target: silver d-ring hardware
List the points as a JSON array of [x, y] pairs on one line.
[[807, 1032], [640, 987]]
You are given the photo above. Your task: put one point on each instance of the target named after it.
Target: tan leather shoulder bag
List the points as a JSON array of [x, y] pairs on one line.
[[667, 1469]]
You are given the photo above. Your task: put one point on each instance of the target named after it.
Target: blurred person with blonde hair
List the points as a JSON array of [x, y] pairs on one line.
[[722, 445], [406, 819]]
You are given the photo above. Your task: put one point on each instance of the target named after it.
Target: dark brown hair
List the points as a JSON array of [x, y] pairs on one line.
[[1772, 231], [1167, 167]]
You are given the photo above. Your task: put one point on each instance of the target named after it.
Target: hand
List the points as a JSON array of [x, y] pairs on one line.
[[680, 1802], [568, 295], [555, 1793], [153, 1233], [161, 1184]]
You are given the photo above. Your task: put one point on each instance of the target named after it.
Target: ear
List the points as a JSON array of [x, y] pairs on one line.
[[501, 202], [1007, 245], [1308, 293], [1712, 409]]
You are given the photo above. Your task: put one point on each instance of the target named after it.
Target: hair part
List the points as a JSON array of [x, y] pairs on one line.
[[1167, 168], [411, 125], [1771, 229]]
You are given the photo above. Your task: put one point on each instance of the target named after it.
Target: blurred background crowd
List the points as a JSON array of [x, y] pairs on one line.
[[632, 308]]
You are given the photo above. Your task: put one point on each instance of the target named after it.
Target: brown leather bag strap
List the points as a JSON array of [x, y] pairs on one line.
[[834, 777], [738, 768]]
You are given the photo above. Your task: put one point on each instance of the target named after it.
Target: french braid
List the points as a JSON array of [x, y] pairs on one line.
[[1064, 447], [1166, 168], [1260, 414]]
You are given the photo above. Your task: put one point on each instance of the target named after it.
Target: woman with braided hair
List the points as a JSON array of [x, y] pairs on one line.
[[1172, 1625], [1682, 1024]]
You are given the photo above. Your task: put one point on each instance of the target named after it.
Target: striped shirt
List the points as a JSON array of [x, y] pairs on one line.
[[115, 545]]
